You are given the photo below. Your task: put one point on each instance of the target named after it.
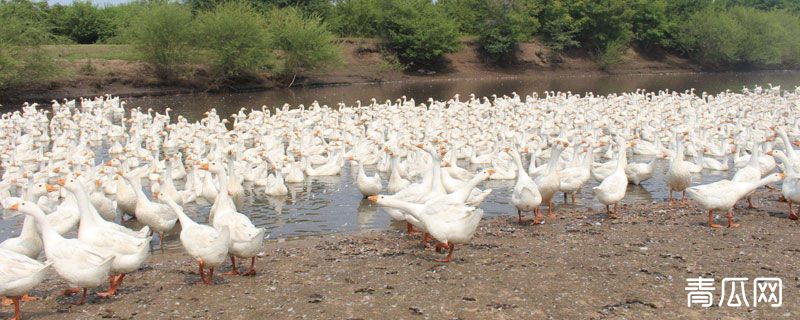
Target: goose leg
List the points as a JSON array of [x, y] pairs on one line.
[[538, 218], [409, 228], [730, 220], [440, 247], [573, 198], [550, 214], [234, 270], [683, 197], [83, 297], [613, 214], [7, 301], [71, 291], [792, 215], [161, 241], [711, 220], [210, 277], [17, 312], [200, 265], [670, 199], [252, 270], [565, 197], [112, 287], [449, 254], [519, 214]]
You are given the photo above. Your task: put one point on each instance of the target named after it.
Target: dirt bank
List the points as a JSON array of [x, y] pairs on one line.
[[363, 62], [581, 266]]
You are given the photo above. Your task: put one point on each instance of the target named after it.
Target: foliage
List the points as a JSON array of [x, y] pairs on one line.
[[740, 36], [304, 44], [505, 25], [162, 33], [235, 36], [468, 14], [356, 18], [81, 22], [22, 32], [418, 31], [559, 28], [650, 24]]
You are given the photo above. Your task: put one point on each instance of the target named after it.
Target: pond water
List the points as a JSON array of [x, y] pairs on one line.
[[333, 204]]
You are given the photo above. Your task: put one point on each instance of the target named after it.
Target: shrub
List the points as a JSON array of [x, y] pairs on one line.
[[505, 25], [21, 61], [559, 29], [468, 14], [304, 44], [235, 36], [418, 31], [650, 23], [81, 22], [162, 34], [120, 19], [356, 18]]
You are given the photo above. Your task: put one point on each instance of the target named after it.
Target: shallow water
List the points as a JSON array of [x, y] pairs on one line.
[[334, 204]]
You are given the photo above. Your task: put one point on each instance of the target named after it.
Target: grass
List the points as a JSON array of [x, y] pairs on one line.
[[73, 52]]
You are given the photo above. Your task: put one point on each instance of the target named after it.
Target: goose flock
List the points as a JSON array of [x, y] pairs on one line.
[[90, 164]]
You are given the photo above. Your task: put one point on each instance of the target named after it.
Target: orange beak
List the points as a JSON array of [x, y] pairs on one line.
[[61, 182], [14, 207], [769, 153], [491, 171], [373, 198], [108, 164], [782, 175], [204, 166], [50, 187], [119, 172], [155, 195], [97, 183]]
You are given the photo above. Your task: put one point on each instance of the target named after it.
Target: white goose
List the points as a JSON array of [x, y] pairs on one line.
[[205, 244], [448, 223], [525, 197], [723, 195], [246, 241], [678, 176], [129, 248], [612, 189], [158, 216], [18, 275], [369, 186], [74, 260]]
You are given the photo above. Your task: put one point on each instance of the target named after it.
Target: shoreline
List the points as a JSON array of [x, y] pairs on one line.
[[362, 63], [581, 265]]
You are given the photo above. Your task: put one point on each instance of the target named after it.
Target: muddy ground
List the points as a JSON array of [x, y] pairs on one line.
[[580, 266]]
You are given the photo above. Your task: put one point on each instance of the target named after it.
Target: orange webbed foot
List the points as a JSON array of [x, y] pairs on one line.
[[27, 298]]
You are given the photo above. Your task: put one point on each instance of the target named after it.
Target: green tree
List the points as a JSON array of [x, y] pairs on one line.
[[468, 14], [356, 18], [23, 30], [162, 33], [235, 37], [303, 44], [505, 25], [650, 23], [559, 28], [418, 31], [81, 22]]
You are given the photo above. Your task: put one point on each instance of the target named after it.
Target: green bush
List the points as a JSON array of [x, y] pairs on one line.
[[22, 31], [120, 19], [505, 25], [235, 37], [81, 22], [468, 14], [559, 28], [418, 31], [162, 33], [303, 44], [356, 18], [650, 23]]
